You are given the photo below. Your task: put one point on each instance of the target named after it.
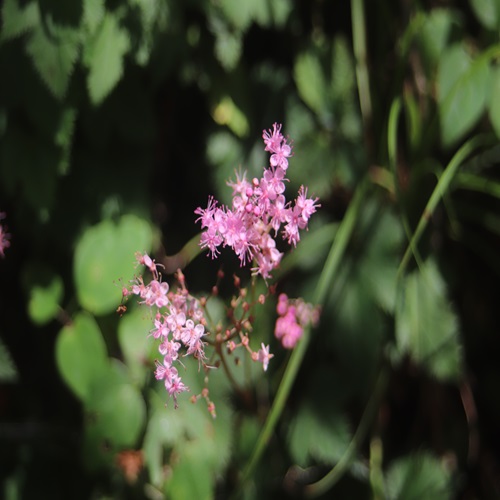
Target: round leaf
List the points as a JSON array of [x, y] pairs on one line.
[[117, 408], [81, 355], [104, 254]]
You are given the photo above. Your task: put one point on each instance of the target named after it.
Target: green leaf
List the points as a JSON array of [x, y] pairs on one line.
[[104, 254], [81, 355], [310, 81], [116, 408], [17, 20], [93, 14], [426, 325], [433, 32], [104, 58], [64, 137], [228, 47], [54, 57], [8, 370], [317, 436], [494, 101], [463, 87], [227, 113], [45, 292], [62, 13], [416, 477], [240, 13], [135, 343], [487, 12], [192, 464]]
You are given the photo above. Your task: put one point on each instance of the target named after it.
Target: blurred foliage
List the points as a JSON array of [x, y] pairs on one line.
[[119, 117]]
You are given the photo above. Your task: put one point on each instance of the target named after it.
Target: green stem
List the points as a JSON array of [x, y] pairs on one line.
[[347, 458], [441, 187], [182, 258], [392, 135], [330, 268], [359, 46]]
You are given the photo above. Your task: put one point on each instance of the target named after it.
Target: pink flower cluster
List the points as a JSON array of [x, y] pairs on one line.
[[180, 327], [294, 316], [258, 208], [4, 237], [179, 322]]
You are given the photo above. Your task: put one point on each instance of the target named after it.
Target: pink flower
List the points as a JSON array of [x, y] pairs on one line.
[[276, 144], [294, 316], [4, 237], [264, 356], [257, 209]]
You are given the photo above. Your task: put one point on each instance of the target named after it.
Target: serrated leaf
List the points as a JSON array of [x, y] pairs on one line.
[[104, 254], [81, 355], [487, 12], [116, 408], [426, 325], [105, 58], [463, 87], [310, 81], [17, 20], [54, 57], [416, 477]]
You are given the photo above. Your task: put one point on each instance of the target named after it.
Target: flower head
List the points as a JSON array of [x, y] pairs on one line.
[[258, 208]]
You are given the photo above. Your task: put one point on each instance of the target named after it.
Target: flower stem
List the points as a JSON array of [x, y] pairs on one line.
[[330, 268]]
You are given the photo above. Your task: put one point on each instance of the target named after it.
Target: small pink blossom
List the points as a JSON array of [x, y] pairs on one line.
[[264, 356], [4, 237], [293, 317], [258, 208]]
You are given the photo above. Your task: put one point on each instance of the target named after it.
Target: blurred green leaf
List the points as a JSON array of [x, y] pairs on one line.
[[191, 477], [426, 325], [8, 370], [93, 14], [494, 101], [487, 12], [64, 137], [135, 343], [104, 57], [45, 291], [17, 19], [227, 113], [81, 355], [317, 436], [240, 14], [463, 87], [115, 407], [433, 32], [104, 254], [228, 47], [417, 477], [62, 13], [310, 81], [54, 57]]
